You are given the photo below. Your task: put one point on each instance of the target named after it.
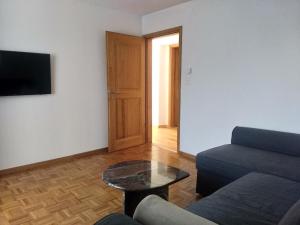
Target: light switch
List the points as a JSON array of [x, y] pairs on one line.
[[188, 76], [190, 70]]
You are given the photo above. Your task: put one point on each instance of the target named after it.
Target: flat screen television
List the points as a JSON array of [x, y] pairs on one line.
[[23, 73]]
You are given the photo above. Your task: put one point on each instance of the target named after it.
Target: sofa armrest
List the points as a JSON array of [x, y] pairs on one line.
[[153, 210]]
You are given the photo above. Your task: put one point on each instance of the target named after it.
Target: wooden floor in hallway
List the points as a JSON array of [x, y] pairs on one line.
[[165, 138], [73, 193]]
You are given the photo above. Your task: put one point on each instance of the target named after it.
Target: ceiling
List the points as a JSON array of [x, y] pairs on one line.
[[139, 7]]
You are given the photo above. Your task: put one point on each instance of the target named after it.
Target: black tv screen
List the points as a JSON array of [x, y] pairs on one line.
[[24, 73]]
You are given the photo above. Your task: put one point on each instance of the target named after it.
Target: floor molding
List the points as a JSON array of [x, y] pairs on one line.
[[163, 126], [187, 155], [51, 162]]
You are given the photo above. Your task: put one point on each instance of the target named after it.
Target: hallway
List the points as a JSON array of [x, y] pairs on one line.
[[165, 138]]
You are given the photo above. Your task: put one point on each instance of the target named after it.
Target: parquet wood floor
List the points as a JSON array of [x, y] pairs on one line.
[[165, 138], [73, 194]]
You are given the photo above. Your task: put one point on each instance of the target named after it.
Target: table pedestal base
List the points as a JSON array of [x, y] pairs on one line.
[[133, 198]]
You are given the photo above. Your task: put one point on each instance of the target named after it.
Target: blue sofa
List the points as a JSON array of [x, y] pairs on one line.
[[251, 150], [255, 180]]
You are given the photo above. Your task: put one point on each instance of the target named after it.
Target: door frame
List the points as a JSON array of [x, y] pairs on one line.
[[148, 40], [172, 103]]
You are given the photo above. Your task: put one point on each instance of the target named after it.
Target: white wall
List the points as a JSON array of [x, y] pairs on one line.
[[161, 78], [74, 118], [164, 84], [245, 57]]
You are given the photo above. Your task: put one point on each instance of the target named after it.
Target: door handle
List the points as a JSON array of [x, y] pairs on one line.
[[113, 92]]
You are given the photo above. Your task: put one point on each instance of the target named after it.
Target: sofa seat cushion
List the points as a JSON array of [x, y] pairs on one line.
[[117, 219], [233, 161], [254, 199], [292, 217]]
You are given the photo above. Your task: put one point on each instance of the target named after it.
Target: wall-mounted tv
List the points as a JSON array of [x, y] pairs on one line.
[[24, 73]]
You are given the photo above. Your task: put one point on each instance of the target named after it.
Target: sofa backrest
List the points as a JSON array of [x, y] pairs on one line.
[[276, 141]]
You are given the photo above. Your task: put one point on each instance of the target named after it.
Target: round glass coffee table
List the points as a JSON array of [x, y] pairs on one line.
[[140, 178]]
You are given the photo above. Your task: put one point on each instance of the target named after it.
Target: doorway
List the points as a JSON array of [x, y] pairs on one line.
[[129, 85], [163, 51]]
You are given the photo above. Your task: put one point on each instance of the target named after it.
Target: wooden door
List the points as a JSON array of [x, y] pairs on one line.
[[174, 86], [126, 90]]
